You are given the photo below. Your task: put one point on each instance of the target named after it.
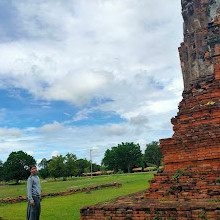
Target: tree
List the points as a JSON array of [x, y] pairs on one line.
[[17, 166], [56, 167], [110, 160], [82, 164], [71, 165], [1, 170], [125, 157], [96, 167], [153, 154], [44, 171]]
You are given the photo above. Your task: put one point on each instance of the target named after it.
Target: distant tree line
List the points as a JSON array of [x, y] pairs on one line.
[[127, 156], [121, 158], [65, 166]]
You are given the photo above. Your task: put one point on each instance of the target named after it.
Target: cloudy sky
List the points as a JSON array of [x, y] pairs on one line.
[[77, 75]]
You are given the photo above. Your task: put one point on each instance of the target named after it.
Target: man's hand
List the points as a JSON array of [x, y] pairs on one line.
[[32, 203]]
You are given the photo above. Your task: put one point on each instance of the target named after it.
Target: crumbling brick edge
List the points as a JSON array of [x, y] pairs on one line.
[[137, 207]]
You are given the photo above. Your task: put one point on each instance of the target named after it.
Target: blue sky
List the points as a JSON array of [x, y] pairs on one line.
[[77, 75]]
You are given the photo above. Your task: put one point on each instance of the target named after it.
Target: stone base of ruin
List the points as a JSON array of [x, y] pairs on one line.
[[137, 207]]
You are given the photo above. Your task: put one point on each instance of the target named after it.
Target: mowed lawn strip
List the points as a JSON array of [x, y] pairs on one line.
[[68, 207], [52, 186]]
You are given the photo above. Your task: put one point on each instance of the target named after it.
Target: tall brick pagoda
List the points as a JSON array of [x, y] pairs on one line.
[[189, 186], [193, 153]]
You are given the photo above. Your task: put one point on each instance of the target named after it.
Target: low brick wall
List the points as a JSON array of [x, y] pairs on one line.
[[137, 207], [69, 192]]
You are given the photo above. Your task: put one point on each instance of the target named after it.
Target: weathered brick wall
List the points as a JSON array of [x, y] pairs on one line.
[[195, 145], [146, 214], [201, 35], [137, 207]]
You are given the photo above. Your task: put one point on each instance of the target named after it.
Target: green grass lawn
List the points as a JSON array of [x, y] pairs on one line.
[[67, 207]]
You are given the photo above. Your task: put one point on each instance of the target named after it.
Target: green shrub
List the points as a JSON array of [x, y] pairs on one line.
[[177, 174]]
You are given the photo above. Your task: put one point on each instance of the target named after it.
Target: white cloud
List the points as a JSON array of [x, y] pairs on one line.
[[30, 153], [55, 153], [162, 106], [114, 129], [139, 120], [51, 128], [78, 140], [83, 114], [77, 51], [67, 114], [10, 132], [142, 143], [39, 160]]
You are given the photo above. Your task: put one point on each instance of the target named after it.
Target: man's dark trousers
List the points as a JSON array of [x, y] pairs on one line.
[[33, 212]]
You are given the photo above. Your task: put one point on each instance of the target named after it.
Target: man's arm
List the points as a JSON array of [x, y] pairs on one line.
[[29, 190]]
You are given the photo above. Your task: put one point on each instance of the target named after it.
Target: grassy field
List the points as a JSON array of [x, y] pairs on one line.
[[67, 207]]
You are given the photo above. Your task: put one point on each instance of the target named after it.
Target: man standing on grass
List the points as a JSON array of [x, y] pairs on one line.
[[33, 193]]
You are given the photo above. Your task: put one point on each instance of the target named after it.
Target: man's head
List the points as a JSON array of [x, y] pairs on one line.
[[33, 170]]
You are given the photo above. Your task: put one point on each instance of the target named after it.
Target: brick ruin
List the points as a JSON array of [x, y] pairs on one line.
[[195, 145], [189, 186]]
